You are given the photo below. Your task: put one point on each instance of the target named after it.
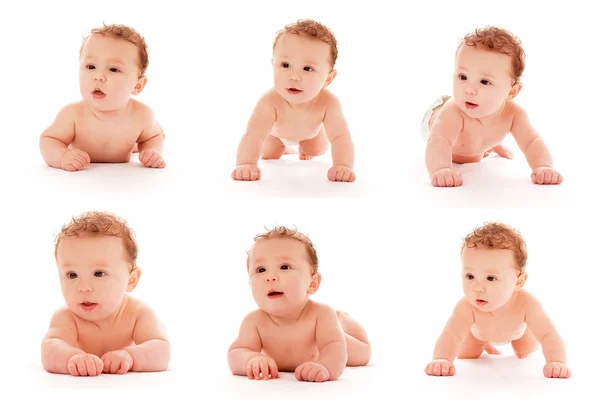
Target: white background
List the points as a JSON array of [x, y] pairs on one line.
[[389, 258]]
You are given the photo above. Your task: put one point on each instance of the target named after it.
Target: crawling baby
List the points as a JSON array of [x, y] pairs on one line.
[[101, 329], [107, 125], [496, 308], [472, 123], [290, 332], [299, 110]]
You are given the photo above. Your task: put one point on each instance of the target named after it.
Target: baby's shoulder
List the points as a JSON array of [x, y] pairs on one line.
[[320, 309], [329, 100], [256, 317], [141, 111], [72, 110], [451, 109], [63, 317], [525, 298]]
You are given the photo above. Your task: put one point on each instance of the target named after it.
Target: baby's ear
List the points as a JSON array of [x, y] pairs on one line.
[[330, 77], [521, 281], [134, 278], [514, 91], [314, 283], [140, 85]]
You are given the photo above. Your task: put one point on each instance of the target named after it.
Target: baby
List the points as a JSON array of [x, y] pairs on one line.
[[107, 125], [299, 109], [495, 307], [101, 329], [290, 332], [473, 122]]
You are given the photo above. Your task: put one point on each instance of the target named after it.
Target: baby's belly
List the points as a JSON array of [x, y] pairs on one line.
[[471, 147], [297, 133], [106, 153], [288, 358], [498, 333]]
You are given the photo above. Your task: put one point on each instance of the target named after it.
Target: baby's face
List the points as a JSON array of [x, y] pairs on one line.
[[301, 66], [482, 81], [489, 277], [94, 275], [280, 275], [108, 72]]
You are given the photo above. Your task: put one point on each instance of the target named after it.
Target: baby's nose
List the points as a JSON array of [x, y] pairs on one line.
[[470, 89], [272, 278], [100, 77], [294, 76], [85, 288]]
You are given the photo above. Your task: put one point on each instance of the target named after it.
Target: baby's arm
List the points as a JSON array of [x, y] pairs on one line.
[[152, 350], [546, 333], [150, 141], [59, 354], [244, 356], [454, 333], [259, 126], [55, 140], [535, 150], [342, 148], [438, 154], [332, 350]]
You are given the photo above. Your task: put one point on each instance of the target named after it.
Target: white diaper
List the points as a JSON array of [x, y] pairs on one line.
[[288, 142], [427, 117]]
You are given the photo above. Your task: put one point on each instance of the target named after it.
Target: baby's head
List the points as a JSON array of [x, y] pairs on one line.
[[113, 60], [283, 269], [488, 67], [493, 258], [304, 54], [96, 256]]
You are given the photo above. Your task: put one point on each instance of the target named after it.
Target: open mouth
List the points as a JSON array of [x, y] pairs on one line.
[[293, 91], [98, 94], [274, 294], [481, 302], [88, 306], [470, 105]]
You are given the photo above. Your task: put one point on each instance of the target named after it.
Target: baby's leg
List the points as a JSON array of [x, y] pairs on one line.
[[526, 345], [272, 148], [471, 347], [313, 147], [357, 343]]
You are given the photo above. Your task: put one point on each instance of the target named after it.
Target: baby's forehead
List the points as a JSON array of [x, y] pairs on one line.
[[98, 45], [294, 44], [280, 248], [477, 57]]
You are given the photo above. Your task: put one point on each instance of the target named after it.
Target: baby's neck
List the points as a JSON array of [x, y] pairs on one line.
[[507, 307], [291, 317], [110, 321], [492, 119], [111, 114]]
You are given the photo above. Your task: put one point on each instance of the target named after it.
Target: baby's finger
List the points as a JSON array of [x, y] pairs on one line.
[[264, 368], [299, 372], [106, 366], [114, 366], [124, 367], [81, 369], [256, 371], [245, 174], [458, 179], [312, 374], [273, 369], [159, 161], [254, 174], [72, 367], [249, 373], [563, 372], [437, 370], [90, 365], [77, 164], [321, 376], [445, 369], [151, 158], [540, 178]]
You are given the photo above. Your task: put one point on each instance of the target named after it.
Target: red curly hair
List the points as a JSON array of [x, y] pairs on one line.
[[313, 29]]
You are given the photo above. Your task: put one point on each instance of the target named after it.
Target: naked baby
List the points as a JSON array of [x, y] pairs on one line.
[[470, 124], [496, 308], [107, 125], [299, 110], [101, 329], [290, 332]]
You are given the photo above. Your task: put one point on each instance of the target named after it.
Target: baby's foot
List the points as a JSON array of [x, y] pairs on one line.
[[303, 156], [521, 355], [500, 150]]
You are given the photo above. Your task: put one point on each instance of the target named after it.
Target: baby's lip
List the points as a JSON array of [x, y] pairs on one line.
[[98, 91], [87, 303], [292, 89], [470, 104], [273, 293], [481, 301]]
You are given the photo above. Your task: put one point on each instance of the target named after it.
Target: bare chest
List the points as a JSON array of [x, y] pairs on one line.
[[98, 342], [298, 124], [290, 346], [107, 141], [475, 139], [499, 329]]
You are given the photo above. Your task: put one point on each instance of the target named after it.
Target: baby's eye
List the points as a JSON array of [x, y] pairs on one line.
[[485, 82], [285, 266], [114, 70], [260, 269], [99, 274], [285, 65], [470, 277], [90, 67], [462, 77], [308, 69], [71, 275], [491, 279]]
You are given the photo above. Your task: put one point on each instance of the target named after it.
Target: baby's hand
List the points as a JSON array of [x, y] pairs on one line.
[[84, 365], [341, 173], [446, 177], [546, 176], [440, 368], [74, 160], [246, 172], [152, 159], [263, 364], [312, 372], [556, 370], [117, 362]]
